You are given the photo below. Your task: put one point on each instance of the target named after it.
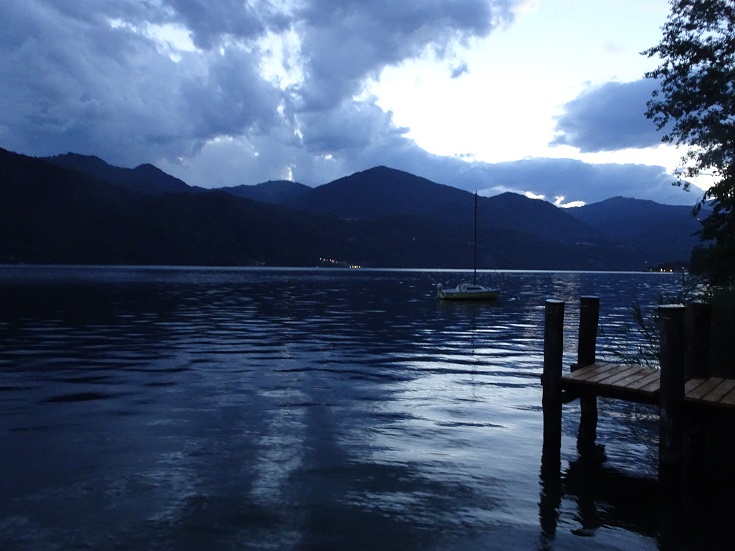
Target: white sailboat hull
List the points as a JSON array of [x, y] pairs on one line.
[[467, 291]]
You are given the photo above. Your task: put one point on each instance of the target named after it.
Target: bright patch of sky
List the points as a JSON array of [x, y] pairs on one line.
[[280, 59], [519, 78]]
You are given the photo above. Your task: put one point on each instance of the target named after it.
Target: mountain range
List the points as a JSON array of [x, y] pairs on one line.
[[79, 209]]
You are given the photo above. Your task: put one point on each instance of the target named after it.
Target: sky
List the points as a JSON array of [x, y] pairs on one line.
[[540, 97]]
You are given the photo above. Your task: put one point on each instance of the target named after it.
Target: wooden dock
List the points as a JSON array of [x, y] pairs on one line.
[[640, 384], [681, 387]]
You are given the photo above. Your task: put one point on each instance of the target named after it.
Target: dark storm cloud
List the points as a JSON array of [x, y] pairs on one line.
[[367, 122], [608, 118], [84, 81], [95, 76], [346, 40], [212, 21]]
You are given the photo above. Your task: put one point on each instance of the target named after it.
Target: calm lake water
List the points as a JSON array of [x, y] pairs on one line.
[[180, 408]]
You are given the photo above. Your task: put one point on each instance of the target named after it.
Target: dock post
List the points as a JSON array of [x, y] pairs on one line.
[[671, 427], [551, 381], [700, 341], [697, 368], [589, 315]]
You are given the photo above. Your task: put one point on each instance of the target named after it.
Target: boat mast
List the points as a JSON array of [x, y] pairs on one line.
[[474, 246]]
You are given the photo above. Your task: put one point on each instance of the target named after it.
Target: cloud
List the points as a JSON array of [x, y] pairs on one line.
[[103, 77], [346, 41], [575, 180], [459, 69], [608, 118], [215, 23], [226, 92], [89, 82], [368, 125]]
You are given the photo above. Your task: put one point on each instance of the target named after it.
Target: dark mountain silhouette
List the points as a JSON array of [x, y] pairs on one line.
[[664, 230], [146, 178], [279, 192], [628, 216], [513, 211], [380, 217], [54, 214], [378, 192], [382, 191]]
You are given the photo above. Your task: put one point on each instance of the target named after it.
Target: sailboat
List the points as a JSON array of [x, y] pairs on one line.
[[469, 291]]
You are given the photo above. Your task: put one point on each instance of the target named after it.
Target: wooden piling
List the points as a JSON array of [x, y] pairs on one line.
[[589, 315], [672, 377], [701, 314], [697, 367], [551, 381]]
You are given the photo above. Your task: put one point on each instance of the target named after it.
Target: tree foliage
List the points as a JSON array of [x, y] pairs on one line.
[[696, 107]]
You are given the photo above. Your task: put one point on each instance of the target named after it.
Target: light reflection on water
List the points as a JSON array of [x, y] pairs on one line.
[[153, 408]]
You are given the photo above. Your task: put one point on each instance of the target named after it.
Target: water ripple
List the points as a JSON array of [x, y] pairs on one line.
[[275, 409]]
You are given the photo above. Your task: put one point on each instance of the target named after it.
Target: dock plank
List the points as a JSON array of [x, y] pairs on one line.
[[701, 390], [642, 384], [622, 381], [728, 400], [717, 394], [602, 374], [618, 379], [653, 387], [631, 378], [583, 373], [619, 375], [643, 377], [710, 391], [692, 384]]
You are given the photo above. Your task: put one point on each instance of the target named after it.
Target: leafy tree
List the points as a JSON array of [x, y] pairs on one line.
[[696, 106]]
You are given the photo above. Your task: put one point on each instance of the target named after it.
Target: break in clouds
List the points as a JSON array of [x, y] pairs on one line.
[[227, 92]]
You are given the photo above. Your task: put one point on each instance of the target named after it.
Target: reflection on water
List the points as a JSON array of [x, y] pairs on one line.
[[154, 408]]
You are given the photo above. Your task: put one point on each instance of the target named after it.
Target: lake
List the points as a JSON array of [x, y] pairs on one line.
[[202, 408]]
